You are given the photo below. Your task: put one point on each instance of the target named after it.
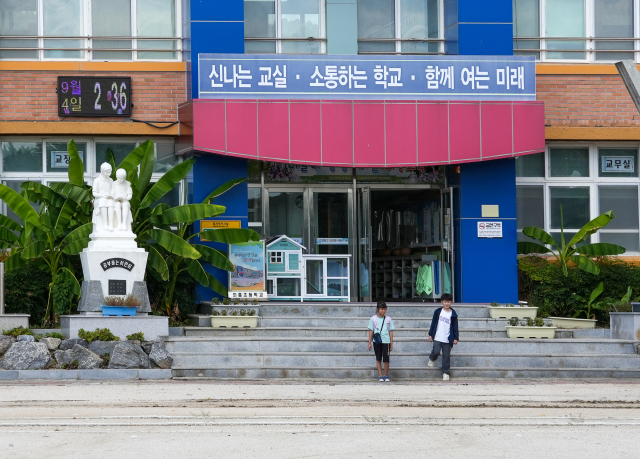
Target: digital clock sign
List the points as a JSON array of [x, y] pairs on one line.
[[94, 96]]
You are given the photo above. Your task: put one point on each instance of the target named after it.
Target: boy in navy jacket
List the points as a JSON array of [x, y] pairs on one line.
[[443, 334]]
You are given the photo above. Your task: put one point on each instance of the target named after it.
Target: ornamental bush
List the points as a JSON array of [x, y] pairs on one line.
[[542, 284]]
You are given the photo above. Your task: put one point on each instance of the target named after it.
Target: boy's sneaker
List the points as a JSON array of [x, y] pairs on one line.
[[381, 379], [431, 363], [445, 377], [386, 379]]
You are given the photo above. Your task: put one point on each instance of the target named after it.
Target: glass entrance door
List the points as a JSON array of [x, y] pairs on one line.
[[285, 211], [329, 216]]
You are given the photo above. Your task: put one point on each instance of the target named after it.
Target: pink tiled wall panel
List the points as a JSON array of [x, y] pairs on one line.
[[273, 130], [209, 125], [306, 142], [528, 135], [337, 133], [368, 130], [401, 133], [464, 132], [433, 133], [242, 129], [497, 134]]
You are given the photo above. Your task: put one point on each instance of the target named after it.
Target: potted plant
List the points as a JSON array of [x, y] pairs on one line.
[[234, 318], [120, 305], [509, 310], [583, 307], [532, 328]]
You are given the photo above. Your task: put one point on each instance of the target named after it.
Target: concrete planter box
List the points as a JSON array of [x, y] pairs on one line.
[[568, 322], [531, 332], [234, 321], [625, 325], [508, 312]]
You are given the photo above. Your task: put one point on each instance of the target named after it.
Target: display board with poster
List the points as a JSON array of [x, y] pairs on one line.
[[247, 280]]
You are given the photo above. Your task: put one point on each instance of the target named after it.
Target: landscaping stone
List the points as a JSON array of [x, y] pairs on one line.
[[26, 356], [26, 338], [5, 343], [146, 346], [87, 360], [102, 347], [69, 343], [160, 356], [134, 341], [52, 343], [128, 356]]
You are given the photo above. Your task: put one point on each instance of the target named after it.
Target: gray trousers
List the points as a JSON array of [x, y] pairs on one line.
[[446, 355]]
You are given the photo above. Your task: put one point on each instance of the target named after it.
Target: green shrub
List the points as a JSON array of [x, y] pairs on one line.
[[139, 336], [543, 284], [17, 332], [184, 296], [100, 334], [26, 292]]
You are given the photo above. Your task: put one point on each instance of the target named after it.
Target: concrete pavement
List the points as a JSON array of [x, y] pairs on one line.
[[201, 419]]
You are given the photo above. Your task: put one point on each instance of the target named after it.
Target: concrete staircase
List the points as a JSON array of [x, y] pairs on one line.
[[329, 340]]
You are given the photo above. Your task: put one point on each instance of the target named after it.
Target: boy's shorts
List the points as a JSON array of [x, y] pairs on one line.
[[382, 351]]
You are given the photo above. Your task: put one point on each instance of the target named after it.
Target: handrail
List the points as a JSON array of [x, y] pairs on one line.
[[284, 39], [428, 40], [78, 37]]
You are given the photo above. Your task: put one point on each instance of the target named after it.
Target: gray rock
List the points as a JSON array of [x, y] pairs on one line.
[[26, 339], [146, 346], [160, 356], [69, 343], [127, 356], [5, 343], [140, 290], [87, 360], [26, 356], [52, 343], [102, 347], [91, 297], [134, 341]]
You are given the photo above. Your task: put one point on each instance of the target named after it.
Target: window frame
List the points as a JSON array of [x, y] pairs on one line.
[[88, 38], [590, 39], [398, 40], [279, 39], [593, 182]]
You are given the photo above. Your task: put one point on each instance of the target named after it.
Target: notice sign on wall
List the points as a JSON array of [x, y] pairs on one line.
[[489, 230], [247, 278], [618, 164]]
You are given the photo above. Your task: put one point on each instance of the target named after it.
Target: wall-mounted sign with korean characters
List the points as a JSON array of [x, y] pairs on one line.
[[489, 230], [259, 76]]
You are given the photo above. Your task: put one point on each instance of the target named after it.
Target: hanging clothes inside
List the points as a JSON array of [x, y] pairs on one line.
[[436, 276], [424, 280], [446, 278]]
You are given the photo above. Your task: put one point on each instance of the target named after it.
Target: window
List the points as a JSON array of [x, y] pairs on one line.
[[46, 161], [275, 257], [416, 32], [575, 30], [89, 29], [586, 180], [255, 208], [284, 26]]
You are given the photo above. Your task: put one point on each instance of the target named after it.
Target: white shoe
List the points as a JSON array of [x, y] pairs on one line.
[[431, 363], [445, 377]]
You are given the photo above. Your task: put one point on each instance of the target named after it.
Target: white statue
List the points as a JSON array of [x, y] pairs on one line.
[[122, 193], [103, 203]]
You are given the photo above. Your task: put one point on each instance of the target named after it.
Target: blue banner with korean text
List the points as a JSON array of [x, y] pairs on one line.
[[260, 76]]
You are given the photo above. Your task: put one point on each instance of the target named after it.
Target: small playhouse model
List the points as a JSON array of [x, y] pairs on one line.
[[293, 275]]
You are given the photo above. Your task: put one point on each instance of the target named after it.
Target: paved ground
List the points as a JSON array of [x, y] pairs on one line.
[[327, 419]]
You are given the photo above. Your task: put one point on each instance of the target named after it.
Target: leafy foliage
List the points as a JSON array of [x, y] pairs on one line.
[[26, 290], [543, 284], [17, 332], [566, 252], [52, 335], [100, 334], [584, 305], [139, 336]]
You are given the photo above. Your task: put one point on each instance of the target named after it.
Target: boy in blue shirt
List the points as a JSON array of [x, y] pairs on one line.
[[383, 325], [443, 334]]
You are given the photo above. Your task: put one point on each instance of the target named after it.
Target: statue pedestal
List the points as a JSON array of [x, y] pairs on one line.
[[113, 265]]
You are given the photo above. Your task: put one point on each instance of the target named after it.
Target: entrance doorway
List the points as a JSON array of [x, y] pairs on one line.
[[399, 230]]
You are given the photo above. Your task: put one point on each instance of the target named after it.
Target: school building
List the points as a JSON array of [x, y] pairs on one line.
[[399, 132]]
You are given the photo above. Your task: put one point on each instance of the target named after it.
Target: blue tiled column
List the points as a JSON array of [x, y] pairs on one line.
[[479, 28], [214, 27]]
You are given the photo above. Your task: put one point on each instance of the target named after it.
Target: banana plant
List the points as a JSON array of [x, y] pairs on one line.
[[586, 305], [164, 231], [566, 252], [59, 230]]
